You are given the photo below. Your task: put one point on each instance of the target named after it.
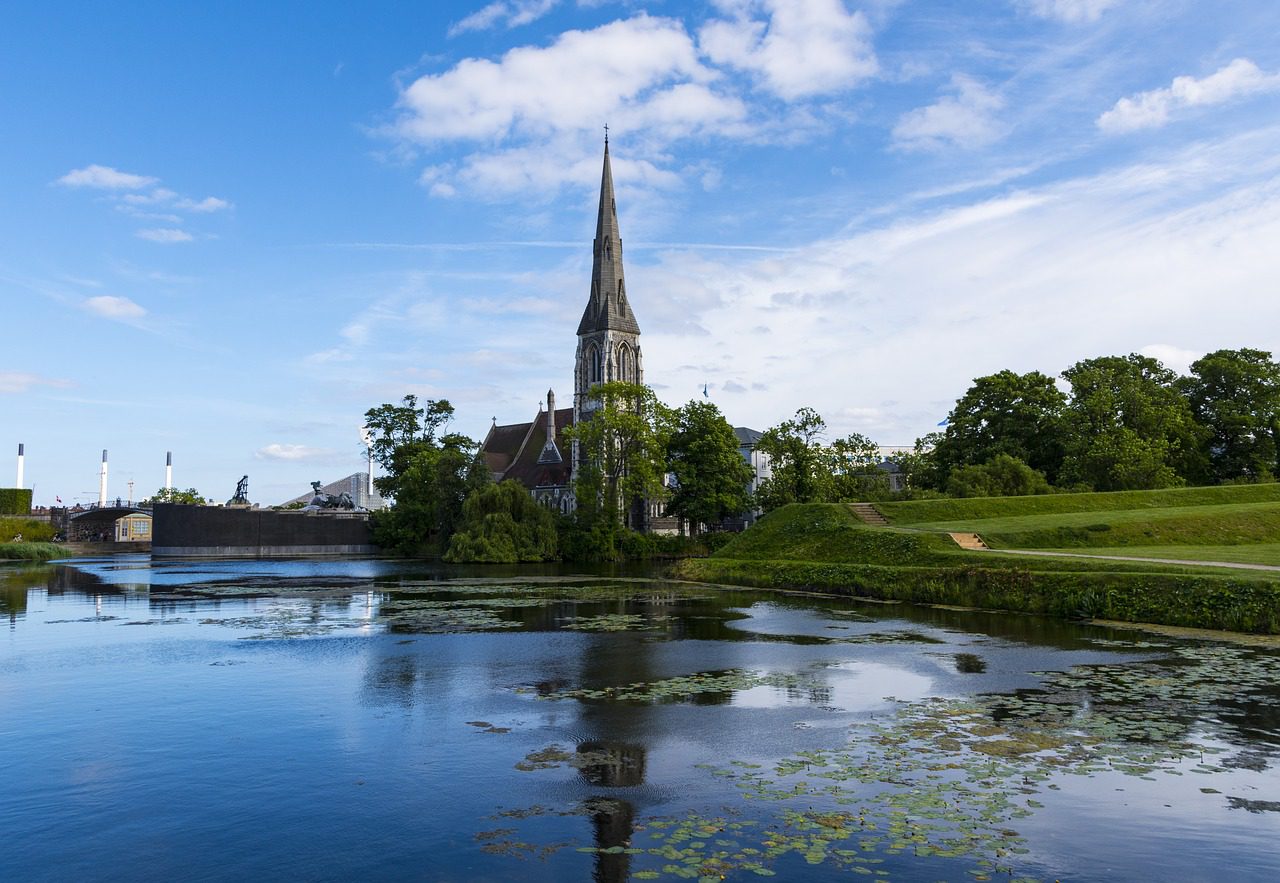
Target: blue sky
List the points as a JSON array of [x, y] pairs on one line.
[[226, 230]]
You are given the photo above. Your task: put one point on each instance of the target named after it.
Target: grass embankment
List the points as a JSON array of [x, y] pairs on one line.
[[826, 548], [1188, 523], [31, 551]]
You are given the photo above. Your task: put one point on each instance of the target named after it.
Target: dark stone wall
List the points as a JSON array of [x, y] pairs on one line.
[[206, 531]]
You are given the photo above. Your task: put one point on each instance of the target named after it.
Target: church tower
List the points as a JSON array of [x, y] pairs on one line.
[[608, 335]]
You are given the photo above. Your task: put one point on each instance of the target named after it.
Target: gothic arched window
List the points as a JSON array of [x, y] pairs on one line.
[[625, 372], [593, 364]]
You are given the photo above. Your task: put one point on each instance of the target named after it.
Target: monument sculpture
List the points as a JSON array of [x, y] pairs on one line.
[[242, 493], [321, 500]]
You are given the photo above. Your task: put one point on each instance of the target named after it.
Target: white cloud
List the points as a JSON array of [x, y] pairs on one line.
[[1174, 250], [110, 307], [511, 14], [157, 196], [797, 49], [21, 381], [105, 178], [1069, 10], [166, 235], [965, 119], [208, 204], [1239, 79], [542, 91], [291, 452]]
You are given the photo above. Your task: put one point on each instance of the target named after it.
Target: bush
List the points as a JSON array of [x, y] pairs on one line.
[[15, 501], [503, 524], [29, 529], [1001, 476]]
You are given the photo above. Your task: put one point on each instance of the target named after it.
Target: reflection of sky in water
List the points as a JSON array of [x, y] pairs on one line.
[[849, 686]]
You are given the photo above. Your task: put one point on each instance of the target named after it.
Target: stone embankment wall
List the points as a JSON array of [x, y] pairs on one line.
[[181, 531]]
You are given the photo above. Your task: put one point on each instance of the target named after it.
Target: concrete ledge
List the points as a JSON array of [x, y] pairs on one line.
[[259, 551]]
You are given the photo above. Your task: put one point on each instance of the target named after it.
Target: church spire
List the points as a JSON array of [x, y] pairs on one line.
[[608, 308]]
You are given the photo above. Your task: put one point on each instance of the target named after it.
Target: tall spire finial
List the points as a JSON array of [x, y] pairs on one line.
[[606, 136]]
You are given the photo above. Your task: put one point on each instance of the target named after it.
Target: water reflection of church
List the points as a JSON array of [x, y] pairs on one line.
[[536, 454]]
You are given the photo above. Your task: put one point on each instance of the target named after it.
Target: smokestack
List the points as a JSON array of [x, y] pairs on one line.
[[21, 448], [168, 470], [102, 480]]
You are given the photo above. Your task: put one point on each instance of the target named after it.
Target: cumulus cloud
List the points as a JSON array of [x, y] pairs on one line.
[[966, 118], [20, 381], [1172, 357], [111, 307], [280, 451], [528, 89], [166, 235], [105, 178], [1069, 10], [797, 48], [511, 14], [1239, 79]]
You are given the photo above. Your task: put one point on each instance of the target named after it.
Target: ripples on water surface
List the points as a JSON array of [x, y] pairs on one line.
[[369, 720]]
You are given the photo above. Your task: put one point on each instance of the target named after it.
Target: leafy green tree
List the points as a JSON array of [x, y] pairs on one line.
[[850, 470], [712, 479], [190, 496], [1235, 395], [623, 448], [1005, 413], [1002, 476], [1128, 427], [398, 433], [794, 448], [429, 496], [503, 524], [919, 466]]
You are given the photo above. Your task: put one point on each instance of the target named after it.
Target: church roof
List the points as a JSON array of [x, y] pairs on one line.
[[607, 308], [513, 451]]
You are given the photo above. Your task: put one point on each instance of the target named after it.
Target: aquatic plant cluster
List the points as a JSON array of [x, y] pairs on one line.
[[945, 780]]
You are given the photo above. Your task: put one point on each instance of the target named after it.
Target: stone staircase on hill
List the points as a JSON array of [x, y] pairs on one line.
[[969, 541], [868, 513]]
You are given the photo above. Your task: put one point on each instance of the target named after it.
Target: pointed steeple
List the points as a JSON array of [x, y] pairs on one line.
[[608, 308]]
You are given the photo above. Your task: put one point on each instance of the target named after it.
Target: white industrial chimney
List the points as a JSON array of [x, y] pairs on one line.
[[102, 480], [20, 459], [168, 470]]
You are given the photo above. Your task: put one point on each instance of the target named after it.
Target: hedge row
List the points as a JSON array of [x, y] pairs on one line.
[[1231, 603], [29, 529], [15, 501]]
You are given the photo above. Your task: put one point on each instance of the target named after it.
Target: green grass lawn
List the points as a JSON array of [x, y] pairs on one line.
[[919, 512]]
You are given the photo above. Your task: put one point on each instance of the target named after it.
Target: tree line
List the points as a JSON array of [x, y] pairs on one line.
[[635, 450], [1115, 423]]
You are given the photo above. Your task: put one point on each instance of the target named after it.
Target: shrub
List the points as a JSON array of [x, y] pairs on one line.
[[503, 524], [1002, 476], [29, 529], [15, 501]]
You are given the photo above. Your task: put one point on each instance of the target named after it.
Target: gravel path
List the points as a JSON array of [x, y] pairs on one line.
[[1134, 558]]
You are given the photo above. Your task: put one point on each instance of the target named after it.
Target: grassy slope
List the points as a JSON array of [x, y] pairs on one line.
[[825, 548], [914, 512], [1255, 553]]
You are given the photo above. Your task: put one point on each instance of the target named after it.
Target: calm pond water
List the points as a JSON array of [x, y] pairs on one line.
[[381, 721]]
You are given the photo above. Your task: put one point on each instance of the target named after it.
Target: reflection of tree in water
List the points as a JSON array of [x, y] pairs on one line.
[[970, 664]]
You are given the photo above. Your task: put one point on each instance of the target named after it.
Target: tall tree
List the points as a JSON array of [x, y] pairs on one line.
[[794, 449], [1235, 395], [1005, 413], [398, 433], [711, 477], [623, 448], [851, 470], [1128, 426], [429, 496]]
